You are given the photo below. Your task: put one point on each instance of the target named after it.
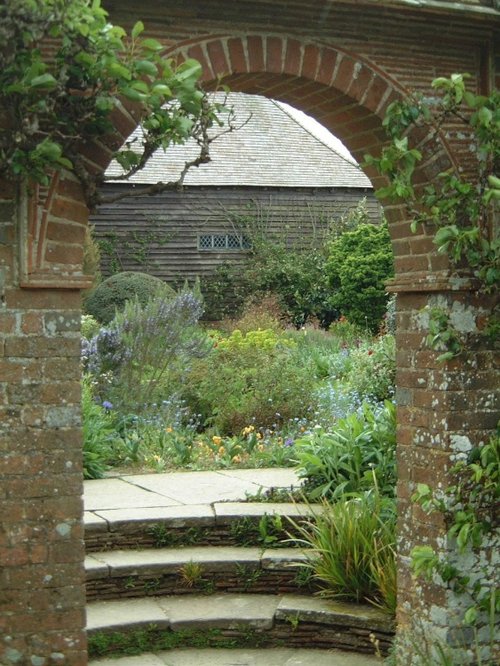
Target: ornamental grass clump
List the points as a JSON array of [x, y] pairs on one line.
[[351, 549]]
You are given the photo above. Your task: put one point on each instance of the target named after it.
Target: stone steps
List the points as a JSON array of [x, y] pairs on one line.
[[167, 566], [216, 524], [262, 620], [133, 573]]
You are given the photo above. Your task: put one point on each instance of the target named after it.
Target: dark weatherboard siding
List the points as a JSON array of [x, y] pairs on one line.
[[159, 234]]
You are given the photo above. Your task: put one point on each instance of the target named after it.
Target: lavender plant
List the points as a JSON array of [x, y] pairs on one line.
[[147, 349]]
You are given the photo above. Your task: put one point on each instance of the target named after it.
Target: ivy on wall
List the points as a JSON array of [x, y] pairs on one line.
[[461, 207]]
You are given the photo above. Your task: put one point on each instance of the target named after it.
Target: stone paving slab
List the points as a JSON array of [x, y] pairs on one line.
[[245, 657], [194, 487], [118, 494], [95, 567], [271, 477], [181, 488], [94, 522], [180, 515], [227, 511], [127, 614], [329, 611], [280, 558], [169, 560], [224, 611]]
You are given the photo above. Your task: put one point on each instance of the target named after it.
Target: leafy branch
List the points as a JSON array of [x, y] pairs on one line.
[[64, 71], [460, 205]]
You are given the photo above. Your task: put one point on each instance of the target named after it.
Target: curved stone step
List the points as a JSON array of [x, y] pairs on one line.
[[216, 524], [290, 620], [132, 573], [247, 657]]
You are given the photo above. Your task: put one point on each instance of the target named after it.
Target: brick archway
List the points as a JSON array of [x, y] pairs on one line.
[[342, 65]]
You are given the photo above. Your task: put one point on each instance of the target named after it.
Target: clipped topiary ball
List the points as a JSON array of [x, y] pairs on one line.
[[112, 293]]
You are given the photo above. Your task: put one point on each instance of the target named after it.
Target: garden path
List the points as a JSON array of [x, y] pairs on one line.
[[127, 516]]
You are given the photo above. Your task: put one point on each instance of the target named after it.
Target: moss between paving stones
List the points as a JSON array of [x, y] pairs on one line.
[[152, 639], [290, 632]]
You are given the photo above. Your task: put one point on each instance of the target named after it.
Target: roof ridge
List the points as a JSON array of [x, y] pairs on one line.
[[352, 163]]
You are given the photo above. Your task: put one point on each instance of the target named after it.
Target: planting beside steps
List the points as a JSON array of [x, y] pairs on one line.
[[216, 524], [163, 573]]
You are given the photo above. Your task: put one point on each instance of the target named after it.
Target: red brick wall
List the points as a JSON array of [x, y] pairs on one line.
[[41, 536]]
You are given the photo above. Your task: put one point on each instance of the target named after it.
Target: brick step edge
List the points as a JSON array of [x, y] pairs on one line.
[[207, 570], [217, 524], [289, 620]]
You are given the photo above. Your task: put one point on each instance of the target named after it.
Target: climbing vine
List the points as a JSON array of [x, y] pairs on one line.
[[470, 509], [461, 206], [64, 69]]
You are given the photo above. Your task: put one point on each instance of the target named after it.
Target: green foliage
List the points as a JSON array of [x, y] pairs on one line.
[[153, 639], [89, 326], [55, 99], [469, 508], [100, 439], [294, 273], [353, 549], [358, 452], [442, 336], [461, 206], [250, 378], [358, 265], [372, 369], [132, 246], [147, 348], [114, 292]]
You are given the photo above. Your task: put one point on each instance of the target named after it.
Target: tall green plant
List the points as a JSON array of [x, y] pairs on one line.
[[357, 451], [251, 378], [358, 265], [351, 549], [100, 440], [144, 346]]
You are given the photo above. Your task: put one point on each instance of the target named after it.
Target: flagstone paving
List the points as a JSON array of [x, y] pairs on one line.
[[183, 488], [247, 657]]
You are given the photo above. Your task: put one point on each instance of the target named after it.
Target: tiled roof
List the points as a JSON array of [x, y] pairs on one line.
[[273, 149]]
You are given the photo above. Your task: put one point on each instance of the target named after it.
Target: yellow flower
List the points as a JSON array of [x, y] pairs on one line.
[[222, 451], [260, 447], [259, 435], [169, 429], [216, 440], [236, 459]]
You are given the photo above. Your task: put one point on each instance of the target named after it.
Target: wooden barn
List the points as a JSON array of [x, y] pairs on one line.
[[281, 174]]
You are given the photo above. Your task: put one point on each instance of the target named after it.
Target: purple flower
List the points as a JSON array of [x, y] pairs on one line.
[[289, 441], [107, 405]]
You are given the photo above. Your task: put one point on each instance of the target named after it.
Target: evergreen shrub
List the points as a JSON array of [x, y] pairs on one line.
[[358, 265], [112, 294]]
